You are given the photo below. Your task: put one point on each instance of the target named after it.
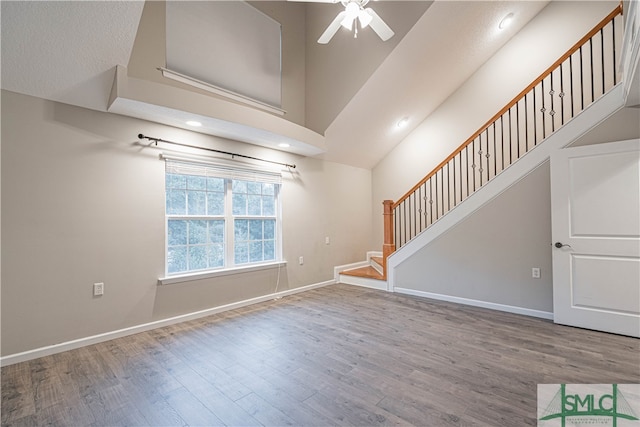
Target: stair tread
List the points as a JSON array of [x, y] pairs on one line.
[[366, 272], [377, 260]]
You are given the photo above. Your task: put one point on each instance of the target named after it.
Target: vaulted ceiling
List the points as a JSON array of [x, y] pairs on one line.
[[346, 96]]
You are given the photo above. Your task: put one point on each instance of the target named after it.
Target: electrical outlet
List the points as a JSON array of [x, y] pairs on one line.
[[98, 289], [535, 272], [301, 260], [326, 240]]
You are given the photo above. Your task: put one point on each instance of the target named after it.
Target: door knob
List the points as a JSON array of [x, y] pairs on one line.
[[560, 245]]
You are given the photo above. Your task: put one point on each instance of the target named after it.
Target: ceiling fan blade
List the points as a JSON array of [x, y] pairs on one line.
[[379, 26], [332, 29]]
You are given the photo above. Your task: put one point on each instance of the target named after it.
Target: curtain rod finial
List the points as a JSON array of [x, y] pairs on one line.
[[140, 136]]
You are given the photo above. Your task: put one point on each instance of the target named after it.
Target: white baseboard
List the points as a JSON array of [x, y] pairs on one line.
[[372, 254], [338, 268], [95, 339], [478, 303], [374, 264], [363, 281]]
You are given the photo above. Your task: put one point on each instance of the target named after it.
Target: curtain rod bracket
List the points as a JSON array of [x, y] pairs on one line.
[[233, 155]]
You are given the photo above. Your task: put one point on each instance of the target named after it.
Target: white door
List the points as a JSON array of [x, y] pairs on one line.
[[595, 200]]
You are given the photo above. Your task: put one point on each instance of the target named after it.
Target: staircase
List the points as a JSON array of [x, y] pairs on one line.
[[369, 274], [481, 167]]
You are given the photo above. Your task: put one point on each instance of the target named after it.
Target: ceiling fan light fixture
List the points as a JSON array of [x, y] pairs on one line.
[[347, 23], [352, 10], [364, 18]]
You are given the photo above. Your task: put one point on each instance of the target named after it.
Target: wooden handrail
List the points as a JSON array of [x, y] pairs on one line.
[[617, 11]]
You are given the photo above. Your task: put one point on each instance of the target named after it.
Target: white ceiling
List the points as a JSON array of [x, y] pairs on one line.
[[447, 44], [67, 51]]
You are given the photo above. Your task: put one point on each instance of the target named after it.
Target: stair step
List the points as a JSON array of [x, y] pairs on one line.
[[366, 272], [367, 277], [376, 262]]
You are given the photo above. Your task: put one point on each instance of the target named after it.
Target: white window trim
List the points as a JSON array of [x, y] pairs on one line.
[[188, 277], [229, 236], [229, 228]]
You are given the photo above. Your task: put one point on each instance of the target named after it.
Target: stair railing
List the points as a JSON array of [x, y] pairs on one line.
[[581, 76]]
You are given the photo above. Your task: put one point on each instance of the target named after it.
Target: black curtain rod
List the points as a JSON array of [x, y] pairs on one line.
[[156, 140]]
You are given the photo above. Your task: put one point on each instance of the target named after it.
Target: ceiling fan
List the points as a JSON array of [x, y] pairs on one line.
[[354, 15]]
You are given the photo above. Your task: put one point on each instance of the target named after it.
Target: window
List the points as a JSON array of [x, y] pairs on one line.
[[254, 221], [219, 217]]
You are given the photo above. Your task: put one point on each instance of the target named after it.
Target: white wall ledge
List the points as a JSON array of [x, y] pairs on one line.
[[169, 105], [181, 278]]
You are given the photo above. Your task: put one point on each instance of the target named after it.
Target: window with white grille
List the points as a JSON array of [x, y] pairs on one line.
[[219, 217]]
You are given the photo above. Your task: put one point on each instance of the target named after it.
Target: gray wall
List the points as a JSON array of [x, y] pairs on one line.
[[336, 71], [623, 125], [542, 41], [149, 51], [317, 80], [82, 203], [489, 256]]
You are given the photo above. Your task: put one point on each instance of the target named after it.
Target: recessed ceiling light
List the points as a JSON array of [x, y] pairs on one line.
[[506, 21], [284, 145], [402, 122], [194, 123]]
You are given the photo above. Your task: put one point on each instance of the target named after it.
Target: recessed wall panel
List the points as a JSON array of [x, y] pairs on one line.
[[606, 283], [229, 44], [601, 195]]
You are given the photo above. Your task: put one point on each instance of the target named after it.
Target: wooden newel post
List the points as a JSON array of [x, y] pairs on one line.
[[388, 246]]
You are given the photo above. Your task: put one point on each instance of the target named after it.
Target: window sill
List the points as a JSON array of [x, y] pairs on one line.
[[218, 273]]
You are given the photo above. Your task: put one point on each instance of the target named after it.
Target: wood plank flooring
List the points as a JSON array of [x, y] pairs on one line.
[[339, 355]]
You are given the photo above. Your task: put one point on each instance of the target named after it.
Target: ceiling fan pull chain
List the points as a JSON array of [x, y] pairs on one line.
[[356, 15]]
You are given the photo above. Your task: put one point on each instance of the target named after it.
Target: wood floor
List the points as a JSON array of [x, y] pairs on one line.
[[338, 355]]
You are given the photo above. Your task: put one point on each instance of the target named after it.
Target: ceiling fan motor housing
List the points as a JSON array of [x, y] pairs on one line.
[[354, 9]]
